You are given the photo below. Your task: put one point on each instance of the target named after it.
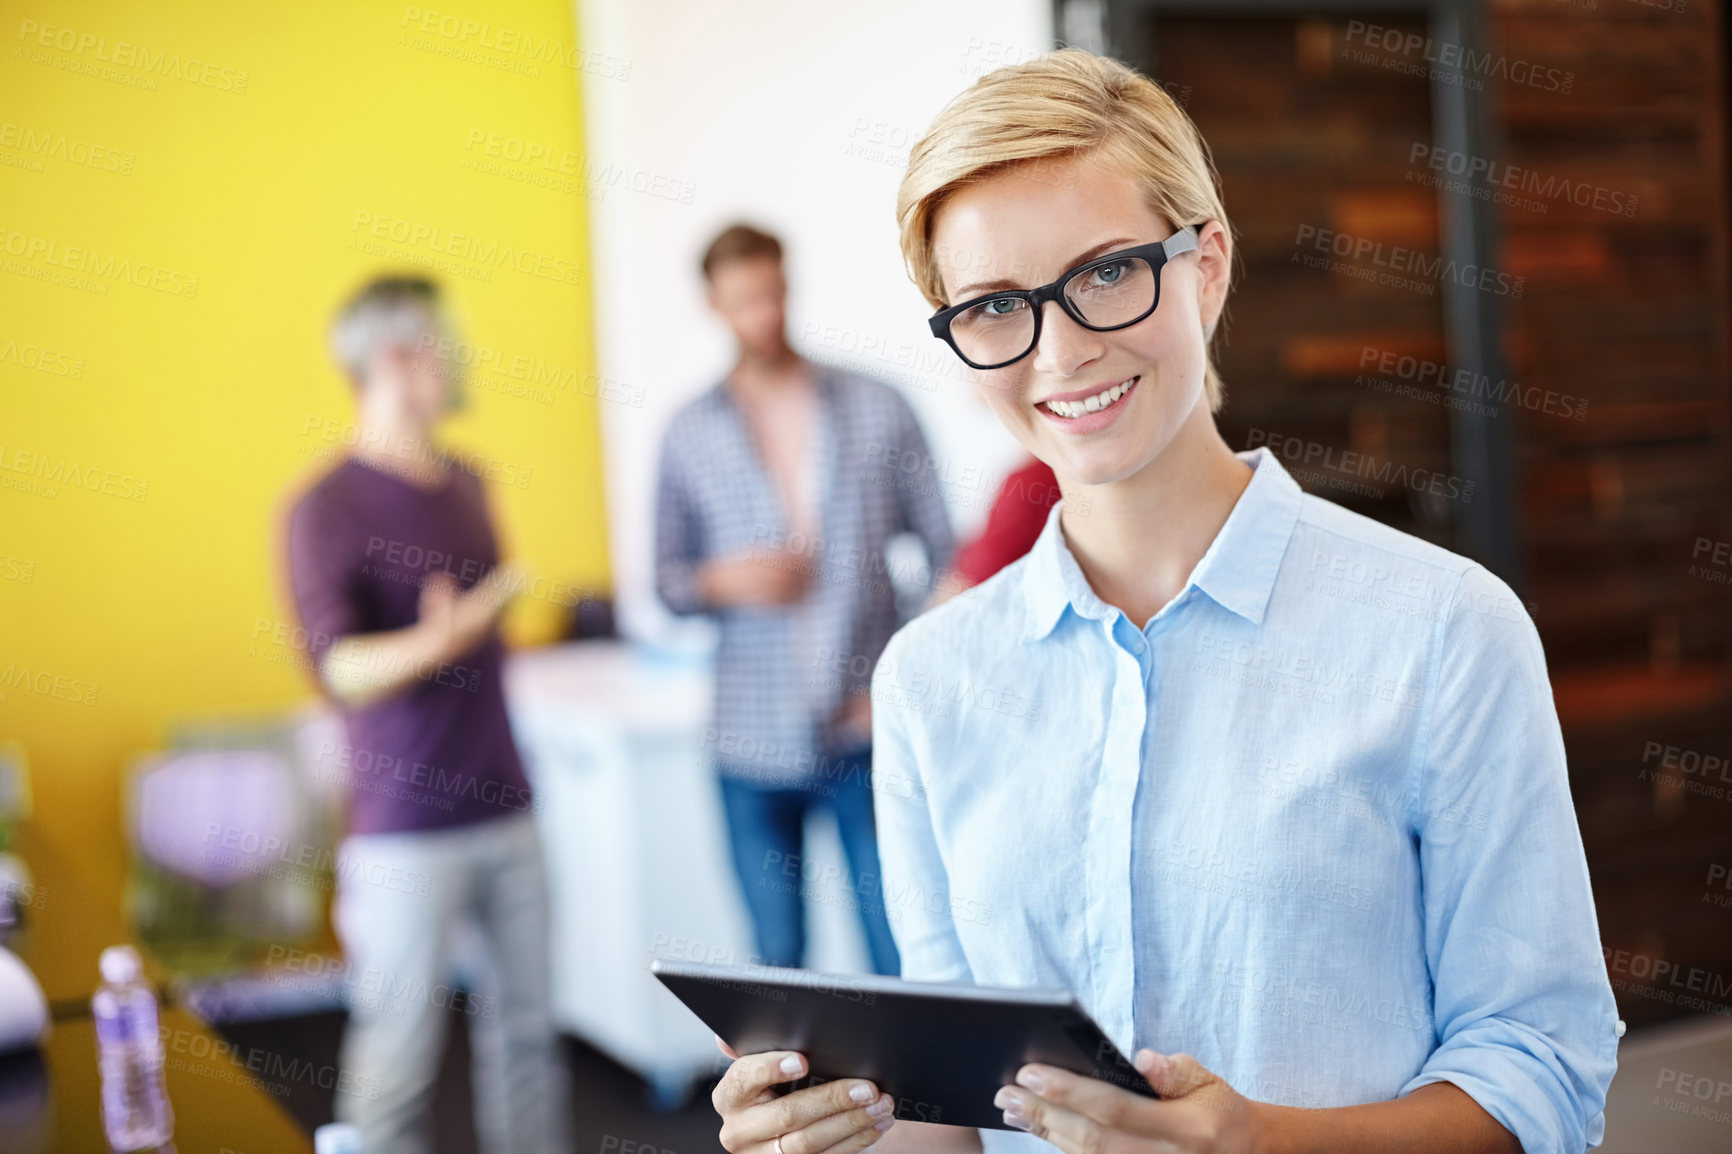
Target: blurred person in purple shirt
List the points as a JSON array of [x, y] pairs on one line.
[[395, 572]]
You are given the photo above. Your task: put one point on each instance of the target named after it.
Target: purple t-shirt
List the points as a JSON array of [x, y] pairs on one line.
[[437, 753]]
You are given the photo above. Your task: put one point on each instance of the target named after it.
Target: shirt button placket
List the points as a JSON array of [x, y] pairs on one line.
[[1112, 959]]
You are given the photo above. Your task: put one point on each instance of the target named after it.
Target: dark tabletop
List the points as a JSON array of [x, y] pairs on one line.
[[64, 929], [50, 1102], [225, 1099]]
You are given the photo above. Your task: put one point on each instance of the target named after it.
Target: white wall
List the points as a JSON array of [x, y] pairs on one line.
[[797, 116]]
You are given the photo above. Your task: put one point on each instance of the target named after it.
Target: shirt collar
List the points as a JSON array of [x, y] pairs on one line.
[[1238, 570], [823, 378]]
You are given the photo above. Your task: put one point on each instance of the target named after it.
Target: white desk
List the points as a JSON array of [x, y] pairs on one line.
[[631, 816]]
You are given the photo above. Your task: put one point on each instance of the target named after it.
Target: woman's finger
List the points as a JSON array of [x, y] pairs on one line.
[[751, 1075], [794, 1112], [1070, 1131], [854, 1129], [1113, 1107], [748, 1119]]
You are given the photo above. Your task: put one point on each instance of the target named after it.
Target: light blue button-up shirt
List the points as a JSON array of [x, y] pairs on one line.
[[1310, 824]]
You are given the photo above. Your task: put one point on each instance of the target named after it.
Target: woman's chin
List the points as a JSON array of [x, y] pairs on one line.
[[1091, 468], [1110, 460]]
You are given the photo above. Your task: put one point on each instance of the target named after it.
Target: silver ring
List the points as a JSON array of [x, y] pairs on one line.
[[778, 1144]]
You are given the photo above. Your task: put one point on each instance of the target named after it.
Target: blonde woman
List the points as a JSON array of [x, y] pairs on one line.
[[1284, 800]]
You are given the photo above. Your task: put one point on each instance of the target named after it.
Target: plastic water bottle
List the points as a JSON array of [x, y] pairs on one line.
[[135, 1110], [337, 1138]]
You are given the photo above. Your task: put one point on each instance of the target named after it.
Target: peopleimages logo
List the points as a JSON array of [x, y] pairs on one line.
[[1463, 385], [1399, 258], [79, 44], [1457, 63], [1497, 177], [41, 471], [520, 43], [104, 267], [485, 252], [45, 144], [40, 358], [1356, 464]]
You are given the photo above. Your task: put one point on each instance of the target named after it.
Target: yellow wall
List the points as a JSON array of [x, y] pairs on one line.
[[145, 455]]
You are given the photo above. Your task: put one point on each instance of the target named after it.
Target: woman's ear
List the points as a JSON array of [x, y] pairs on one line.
[[1214, 271]]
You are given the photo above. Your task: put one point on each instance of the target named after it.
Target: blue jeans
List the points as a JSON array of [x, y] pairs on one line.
[[766, 826]]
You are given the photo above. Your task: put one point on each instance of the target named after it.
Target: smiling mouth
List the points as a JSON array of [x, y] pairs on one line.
[[1105, 399]]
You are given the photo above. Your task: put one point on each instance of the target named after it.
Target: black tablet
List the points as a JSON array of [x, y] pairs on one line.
[[941, 1049]]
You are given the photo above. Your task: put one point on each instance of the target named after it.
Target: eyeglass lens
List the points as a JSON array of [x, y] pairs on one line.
[[1105, 296]]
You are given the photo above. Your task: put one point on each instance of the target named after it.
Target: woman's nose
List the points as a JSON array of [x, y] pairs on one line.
[[1064, 346]]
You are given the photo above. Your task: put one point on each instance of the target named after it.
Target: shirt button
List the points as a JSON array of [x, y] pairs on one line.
[[1620, 1027]]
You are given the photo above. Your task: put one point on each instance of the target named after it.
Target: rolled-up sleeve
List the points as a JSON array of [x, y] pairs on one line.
[[915, 881], [677, 530], [1525, 1017]]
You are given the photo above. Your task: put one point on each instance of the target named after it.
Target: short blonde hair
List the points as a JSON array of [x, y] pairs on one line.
[[1062, 104]]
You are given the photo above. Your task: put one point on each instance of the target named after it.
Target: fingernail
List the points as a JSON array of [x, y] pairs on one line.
[[881, 1107], [860, 1093], [1012, 1118], [1007, 1099], [791, 1064], [1031, 1079], [883, 1124]]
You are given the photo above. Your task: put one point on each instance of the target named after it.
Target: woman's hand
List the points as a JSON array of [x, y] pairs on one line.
[[837, 1117], [1197, 1113]]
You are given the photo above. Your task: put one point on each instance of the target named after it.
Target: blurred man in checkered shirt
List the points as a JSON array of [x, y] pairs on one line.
[[778, 491]]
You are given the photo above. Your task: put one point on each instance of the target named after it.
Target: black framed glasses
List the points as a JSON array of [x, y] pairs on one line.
[[1109, 292]]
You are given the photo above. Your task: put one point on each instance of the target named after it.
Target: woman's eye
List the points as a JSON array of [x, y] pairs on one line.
[[1108, 274], [998, 307]]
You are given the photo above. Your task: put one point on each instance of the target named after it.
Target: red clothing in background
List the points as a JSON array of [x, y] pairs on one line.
[[1018, 515]]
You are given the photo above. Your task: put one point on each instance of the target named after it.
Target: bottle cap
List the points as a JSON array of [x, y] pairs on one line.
[[120, 964], [336, 1138]]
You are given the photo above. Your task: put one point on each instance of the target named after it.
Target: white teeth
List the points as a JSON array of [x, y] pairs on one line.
[[1092, 404]]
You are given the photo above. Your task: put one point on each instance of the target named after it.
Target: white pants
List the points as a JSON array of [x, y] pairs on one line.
[[402, 901]]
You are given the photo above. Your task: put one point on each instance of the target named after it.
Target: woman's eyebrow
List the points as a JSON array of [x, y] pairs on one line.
[[978, 288]]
